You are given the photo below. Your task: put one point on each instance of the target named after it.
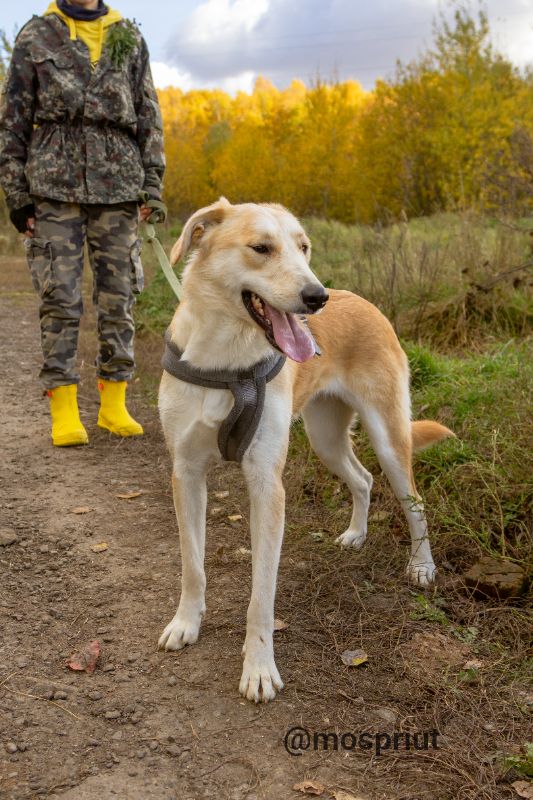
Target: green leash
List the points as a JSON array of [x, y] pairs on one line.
[[164, 263]]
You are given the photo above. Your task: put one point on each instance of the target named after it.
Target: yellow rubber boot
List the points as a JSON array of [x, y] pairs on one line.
[[113, 414], [67, 429]]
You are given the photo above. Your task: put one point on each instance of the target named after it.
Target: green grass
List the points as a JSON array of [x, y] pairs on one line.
[[450, 280]]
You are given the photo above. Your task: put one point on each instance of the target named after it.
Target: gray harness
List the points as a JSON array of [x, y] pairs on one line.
[[247, 387]]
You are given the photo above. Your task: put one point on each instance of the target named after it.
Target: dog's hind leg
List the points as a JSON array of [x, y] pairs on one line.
[[389, 431], [190, 501], [327, 422]]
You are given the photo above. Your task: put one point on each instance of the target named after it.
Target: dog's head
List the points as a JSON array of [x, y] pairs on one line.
[[252, 262]]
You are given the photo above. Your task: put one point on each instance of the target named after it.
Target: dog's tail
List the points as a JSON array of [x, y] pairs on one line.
[[425, 432]]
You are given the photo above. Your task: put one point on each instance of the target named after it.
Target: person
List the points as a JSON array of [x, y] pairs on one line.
[[81, 160]]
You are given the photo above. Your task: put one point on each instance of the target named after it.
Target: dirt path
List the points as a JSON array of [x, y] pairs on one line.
[[145, 724], [172, 726]]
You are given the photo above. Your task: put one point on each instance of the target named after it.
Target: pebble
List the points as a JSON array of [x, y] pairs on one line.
[[132, 772], [93, 742], [109, 668], [173, 750], [22, 746], [133, 657], [117, 736], [129, 710], [7, 537], [114, 714], [95, 695], [152, 762], [137, 717], [141, 753], [386, 714], [44, 548], [11, 747], [172, 681], [59, 694], [153, 746], [21, 662]]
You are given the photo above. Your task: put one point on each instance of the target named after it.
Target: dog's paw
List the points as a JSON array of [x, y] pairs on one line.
[[421, 574], [179, 632], [351, 539], [260, 680]]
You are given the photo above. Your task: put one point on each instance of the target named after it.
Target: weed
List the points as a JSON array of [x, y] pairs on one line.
[[427, 611]]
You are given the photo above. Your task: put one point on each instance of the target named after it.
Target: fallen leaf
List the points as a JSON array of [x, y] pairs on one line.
[[215, 511], [340, 794], [523, 789], [128, 495], [80, 510], [85, 660], [353, 658], [99, 547], [235, 517], [280, 625], [221, 495], [379, 516], [309, 787], [473, 664], [317, 536], [243, 551]]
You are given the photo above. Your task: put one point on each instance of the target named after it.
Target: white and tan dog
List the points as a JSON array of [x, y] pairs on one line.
[[244, 286]]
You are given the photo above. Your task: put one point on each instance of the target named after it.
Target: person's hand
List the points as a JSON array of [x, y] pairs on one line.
[[24, 219], [144, 212]]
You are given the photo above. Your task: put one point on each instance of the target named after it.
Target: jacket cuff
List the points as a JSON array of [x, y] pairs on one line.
[[18, 200], [153, 191]]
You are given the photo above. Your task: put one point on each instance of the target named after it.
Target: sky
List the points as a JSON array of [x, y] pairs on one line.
[[228, 43]]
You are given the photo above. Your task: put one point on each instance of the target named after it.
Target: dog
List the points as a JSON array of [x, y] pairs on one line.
[[246, 282]]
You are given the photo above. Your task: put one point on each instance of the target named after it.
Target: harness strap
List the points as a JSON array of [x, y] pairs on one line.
[[248, 387]]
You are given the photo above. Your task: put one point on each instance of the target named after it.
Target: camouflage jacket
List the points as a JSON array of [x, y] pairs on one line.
[[72, 133]]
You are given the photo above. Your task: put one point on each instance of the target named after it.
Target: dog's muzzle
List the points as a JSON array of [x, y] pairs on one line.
[[314, 297]]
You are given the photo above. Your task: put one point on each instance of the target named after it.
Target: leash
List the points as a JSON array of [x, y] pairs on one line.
[[164, 263]]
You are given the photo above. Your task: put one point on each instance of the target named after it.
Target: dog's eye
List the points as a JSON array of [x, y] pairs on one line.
[[263, 249], [305, 248]]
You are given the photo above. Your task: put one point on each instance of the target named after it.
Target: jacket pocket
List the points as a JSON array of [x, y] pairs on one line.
[[39, 255], [137, 272], [59, 91]]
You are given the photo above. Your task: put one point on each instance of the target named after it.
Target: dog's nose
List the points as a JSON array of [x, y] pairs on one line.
[[314, 296]]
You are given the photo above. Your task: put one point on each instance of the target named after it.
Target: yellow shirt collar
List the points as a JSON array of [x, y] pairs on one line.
[[91, 33]]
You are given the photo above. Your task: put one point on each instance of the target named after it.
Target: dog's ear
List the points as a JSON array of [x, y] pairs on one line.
[[195, 227]]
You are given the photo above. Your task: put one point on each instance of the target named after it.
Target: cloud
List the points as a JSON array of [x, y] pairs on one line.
[[228, 42], [165, 75]]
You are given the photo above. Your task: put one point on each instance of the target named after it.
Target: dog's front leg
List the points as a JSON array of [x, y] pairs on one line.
[[190, 501], [260, 676]]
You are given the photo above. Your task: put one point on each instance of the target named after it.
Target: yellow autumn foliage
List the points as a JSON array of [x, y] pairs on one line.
[[451, 130]]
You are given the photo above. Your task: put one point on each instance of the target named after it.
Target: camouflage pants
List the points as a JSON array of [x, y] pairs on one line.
[[55, 257]]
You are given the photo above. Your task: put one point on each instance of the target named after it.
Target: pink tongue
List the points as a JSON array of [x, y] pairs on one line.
[[289, 334]]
